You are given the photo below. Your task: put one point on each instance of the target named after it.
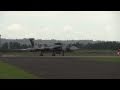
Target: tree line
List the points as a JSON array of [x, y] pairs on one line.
[[108, 45], [104, 45]]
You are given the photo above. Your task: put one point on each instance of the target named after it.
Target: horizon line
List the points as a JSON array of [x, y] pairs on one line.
[[61, 39]]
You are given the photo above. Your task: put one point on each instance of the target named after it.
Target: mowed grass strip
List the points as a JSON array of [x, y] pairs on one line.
[[11, 72], [102, 58], [71, 53], [109, 59]]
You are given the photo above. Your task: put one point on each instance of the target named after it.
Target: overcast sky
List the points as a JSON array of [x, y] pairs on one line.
[[62, 25]]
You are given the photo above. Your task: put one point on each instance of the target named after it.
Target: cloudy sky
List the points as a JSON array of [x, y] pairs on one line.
[[62, 25]]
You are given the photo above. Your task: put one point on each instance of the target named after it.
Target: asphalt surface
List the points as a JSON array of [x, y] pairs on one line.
[[66, 67]]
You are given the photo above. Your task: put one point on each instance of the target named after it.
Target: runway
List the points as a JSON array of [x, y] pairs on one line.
[[66, 67]]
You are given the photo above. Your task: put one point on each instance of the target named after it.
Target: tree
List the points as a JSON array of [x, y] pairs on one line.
[[5, 46]]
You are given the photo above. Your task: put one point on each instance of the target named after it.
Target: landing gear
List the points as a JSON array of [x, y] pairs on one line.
[[41, 53], [58, 52], [62, 53], [53, 54]]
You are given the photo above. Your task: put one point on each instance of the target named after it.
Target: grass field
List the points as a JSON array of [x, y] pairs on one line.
[[47, 66], [81, 66], [10, 72], [102, 58], [63, 67], [73, 53]]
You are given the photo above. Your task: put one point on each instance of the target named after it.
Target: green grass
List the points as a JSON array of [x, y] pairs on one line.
[[11, 72], [109, 59], [103, 58], [73, 53]]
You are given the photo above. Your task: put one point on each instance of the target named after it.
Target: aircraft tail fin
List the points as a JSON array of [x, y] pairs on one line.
[[32, 42]]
